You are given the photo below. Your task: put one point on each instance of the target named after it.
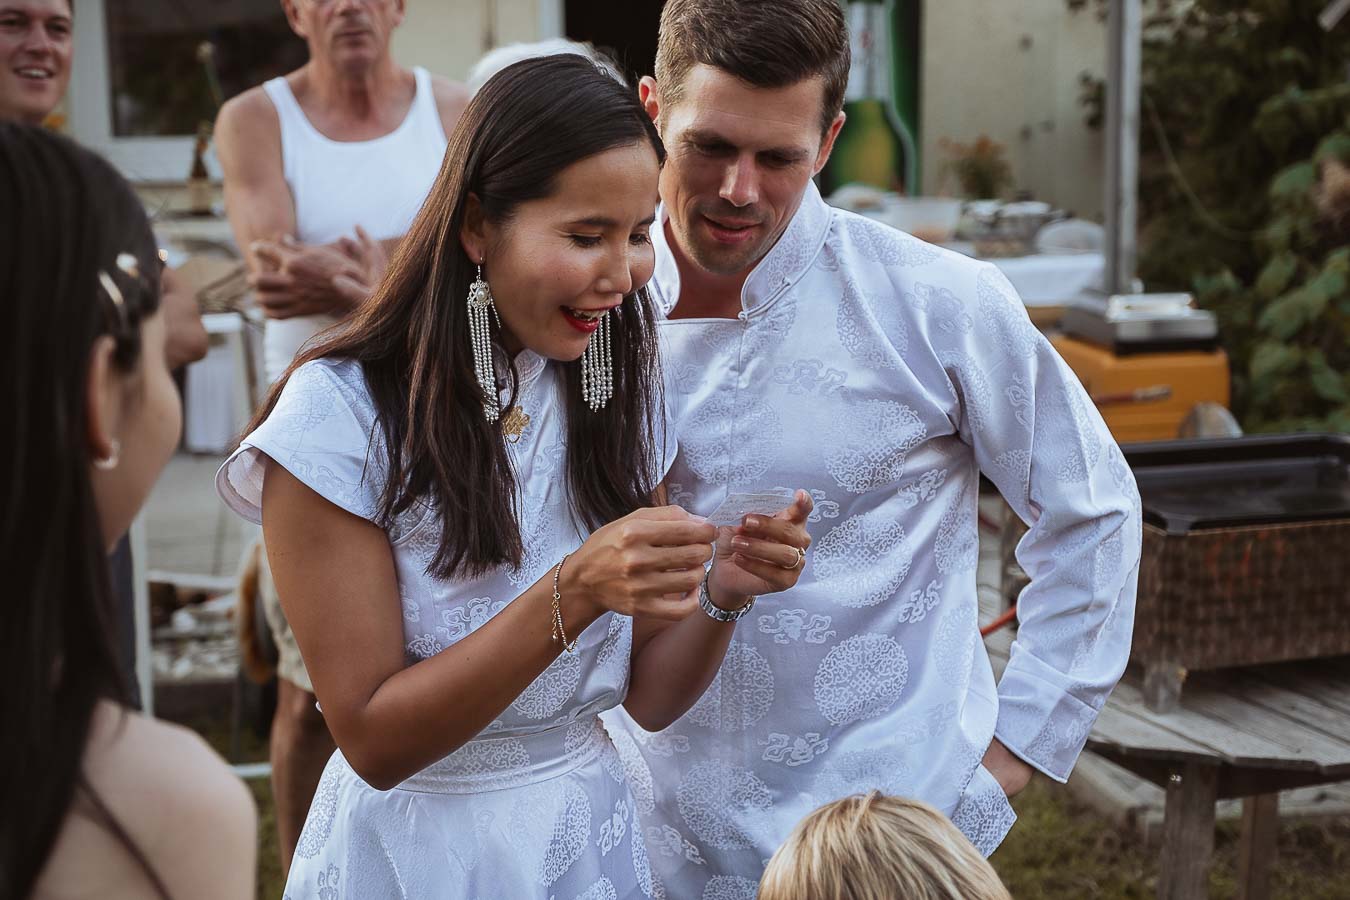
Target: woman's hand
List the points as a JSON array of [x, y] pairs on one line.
[[763, 555], [649, 563]]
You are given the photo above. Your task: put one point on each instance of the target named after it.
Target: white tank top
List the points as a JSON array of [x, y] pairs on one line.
[[336, 185]]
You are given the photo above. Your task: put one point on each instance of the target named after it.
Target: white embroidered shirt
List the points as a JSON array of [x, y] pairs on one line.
[[883, 374]]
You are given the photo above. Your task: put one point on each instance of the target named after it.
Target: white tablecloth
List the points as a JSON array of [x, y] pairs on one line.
[[216, 405], [1045, 279]]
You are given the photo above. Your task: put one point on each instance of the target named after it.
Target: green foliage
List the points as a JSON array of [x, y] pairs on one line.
[[1244, 193]]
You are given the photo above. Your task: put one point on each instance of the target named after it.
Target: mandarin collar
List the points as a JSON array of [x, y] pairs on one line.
[[665, 283], [783, 266], [528, 367]]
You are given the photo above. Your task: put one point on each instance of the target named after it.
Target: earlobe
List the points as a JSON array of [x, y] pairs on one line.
[[103, 402]]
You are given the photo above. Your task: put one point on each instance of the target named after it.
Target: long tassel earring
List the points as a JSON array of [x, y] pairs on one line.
[[480, 339], [597, 368]]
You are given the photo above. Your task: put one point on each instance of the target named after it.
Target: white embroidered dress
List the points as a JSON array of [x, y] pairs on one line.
[[538, 804], [883, 374]]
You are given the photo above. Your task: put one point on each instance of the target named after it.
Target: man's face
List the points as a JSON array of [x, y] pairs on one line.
[[739, 160], [35, 47], [350, 35]]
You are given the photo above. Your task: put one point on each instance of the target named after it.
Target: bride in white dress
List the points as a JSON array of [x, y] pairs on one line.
[[434, 481]]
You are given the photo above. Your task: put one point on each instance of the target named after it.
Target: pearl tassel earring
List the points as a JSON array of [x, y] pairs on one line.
[[597, 368], [480, 339]]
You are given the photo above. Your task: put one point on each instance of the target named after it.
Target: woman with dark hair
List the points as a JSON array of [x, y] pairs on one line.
[[452, 487], [94, 800]]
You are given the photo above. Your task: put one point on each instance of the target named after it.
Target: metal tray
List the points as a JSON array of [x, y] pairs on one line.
[[1254, 480]]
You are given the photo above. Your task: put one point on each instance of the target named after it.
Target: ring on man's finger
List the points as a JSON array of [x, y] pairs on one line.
[[799, 561]]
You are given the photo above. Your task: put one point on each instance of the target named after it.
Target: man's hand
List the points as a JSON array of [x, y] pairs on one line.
[[293, 279], [1011, 772], [761, 555], [373, 259]]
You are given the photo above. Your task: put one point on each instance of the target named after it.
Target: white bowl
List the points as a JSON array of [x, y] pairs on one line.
[[931, 219]]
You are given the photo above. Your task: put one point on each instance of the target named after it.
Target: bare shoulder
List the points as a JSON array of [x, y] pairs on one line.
[[248, 119], [176, 797], [451, 98]]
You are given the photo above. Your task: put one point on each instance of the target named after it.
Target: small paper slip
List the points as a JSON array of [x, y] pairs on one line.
[[739, 505]]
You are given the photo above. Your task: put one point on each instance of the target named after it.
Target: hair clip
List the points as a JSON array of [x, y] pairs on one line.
[[114, 294]]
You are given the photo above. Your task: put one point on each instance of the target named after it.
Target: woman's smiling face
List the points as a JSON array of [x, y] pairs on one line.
[[561, 261]]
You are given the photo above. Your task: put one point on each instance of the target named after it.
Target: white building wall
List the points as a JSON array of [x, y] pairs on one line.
[[448, 36], [1009, 69]]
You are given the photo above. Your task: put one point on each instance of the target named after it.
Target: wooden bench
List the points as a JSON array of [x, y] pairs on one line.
[[1246, 733]]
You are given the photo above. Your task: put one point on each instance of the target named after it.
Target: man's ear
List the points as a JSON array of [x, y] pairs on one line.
[[473, 234], [400, 11], [827, 144], [293, 18], [649, 93], [102, 400]]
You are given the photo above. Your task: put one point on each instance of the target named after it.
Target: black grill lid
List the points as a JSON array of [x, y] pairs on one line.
[[1251, 480]]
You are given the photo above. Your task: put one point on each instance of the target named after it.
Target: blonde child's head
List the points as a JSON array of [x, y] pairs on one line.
[[875, 847]]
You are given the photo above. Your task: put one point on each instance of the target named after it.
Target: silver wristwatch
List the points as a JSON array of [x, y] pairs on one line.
[[716, 612]]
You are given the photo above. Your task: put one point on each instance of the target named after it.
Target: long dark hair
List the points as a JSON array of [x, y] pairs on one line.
[[65, 216], [528, 123]]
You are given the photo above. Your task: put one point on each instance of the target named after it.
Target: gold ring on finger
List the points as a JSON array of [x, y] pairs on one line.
[[800, 561]]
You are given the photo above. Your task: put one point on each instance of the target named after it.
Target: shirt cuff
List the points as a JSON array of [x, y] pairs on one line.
[[1039, 721]]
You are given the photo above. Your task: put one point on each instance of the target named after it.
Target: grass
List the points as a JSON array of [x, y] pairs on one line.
[[1059, 849], [270, 882]]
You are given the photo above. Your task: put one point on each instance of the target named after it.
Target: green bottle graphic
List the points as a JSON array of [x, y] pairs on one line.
[[874, 147]]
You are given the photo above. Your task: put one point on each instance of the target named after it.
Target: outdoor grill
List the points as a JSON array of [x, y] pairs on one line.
[[1246, 554]]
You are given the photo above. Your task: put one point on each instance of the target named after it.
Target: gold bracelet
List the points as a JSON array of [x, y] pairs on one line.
[[558, 633]]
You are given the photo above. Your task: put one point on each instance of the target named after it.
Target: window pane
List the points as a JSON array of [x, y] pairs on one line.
[[160, 85]]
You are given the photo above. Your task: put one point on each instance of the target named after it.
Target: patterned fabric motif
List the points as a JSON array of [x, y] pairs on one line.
[[740, 695], [861, 678], [866, 558], [984, 815], [874, 437], [906, 372], [323, 809], [707, 455], [715, 796], [730, 887], [549, 844]]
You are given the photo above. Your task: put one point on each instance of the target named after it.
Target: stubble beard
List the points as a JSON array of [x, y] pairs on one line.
[[720, 261]]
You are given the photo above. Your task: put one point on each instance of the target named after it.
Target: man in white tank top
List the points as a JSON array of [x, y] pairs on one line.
[[324, 170]]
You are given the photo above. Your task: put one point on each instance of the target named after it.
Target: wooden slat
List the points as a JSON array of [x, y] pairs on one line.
[[1308, 680], [1117, 729], [1310, 711], [1235, 745], [1306, 746]]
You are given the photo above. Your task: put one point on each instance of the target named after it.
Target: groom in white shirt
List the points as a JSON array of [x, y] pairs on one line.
[[810, 347]]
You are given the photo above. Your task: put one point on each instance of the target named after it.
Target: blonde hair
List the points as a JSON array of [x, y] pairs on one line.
[[875, 847]]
